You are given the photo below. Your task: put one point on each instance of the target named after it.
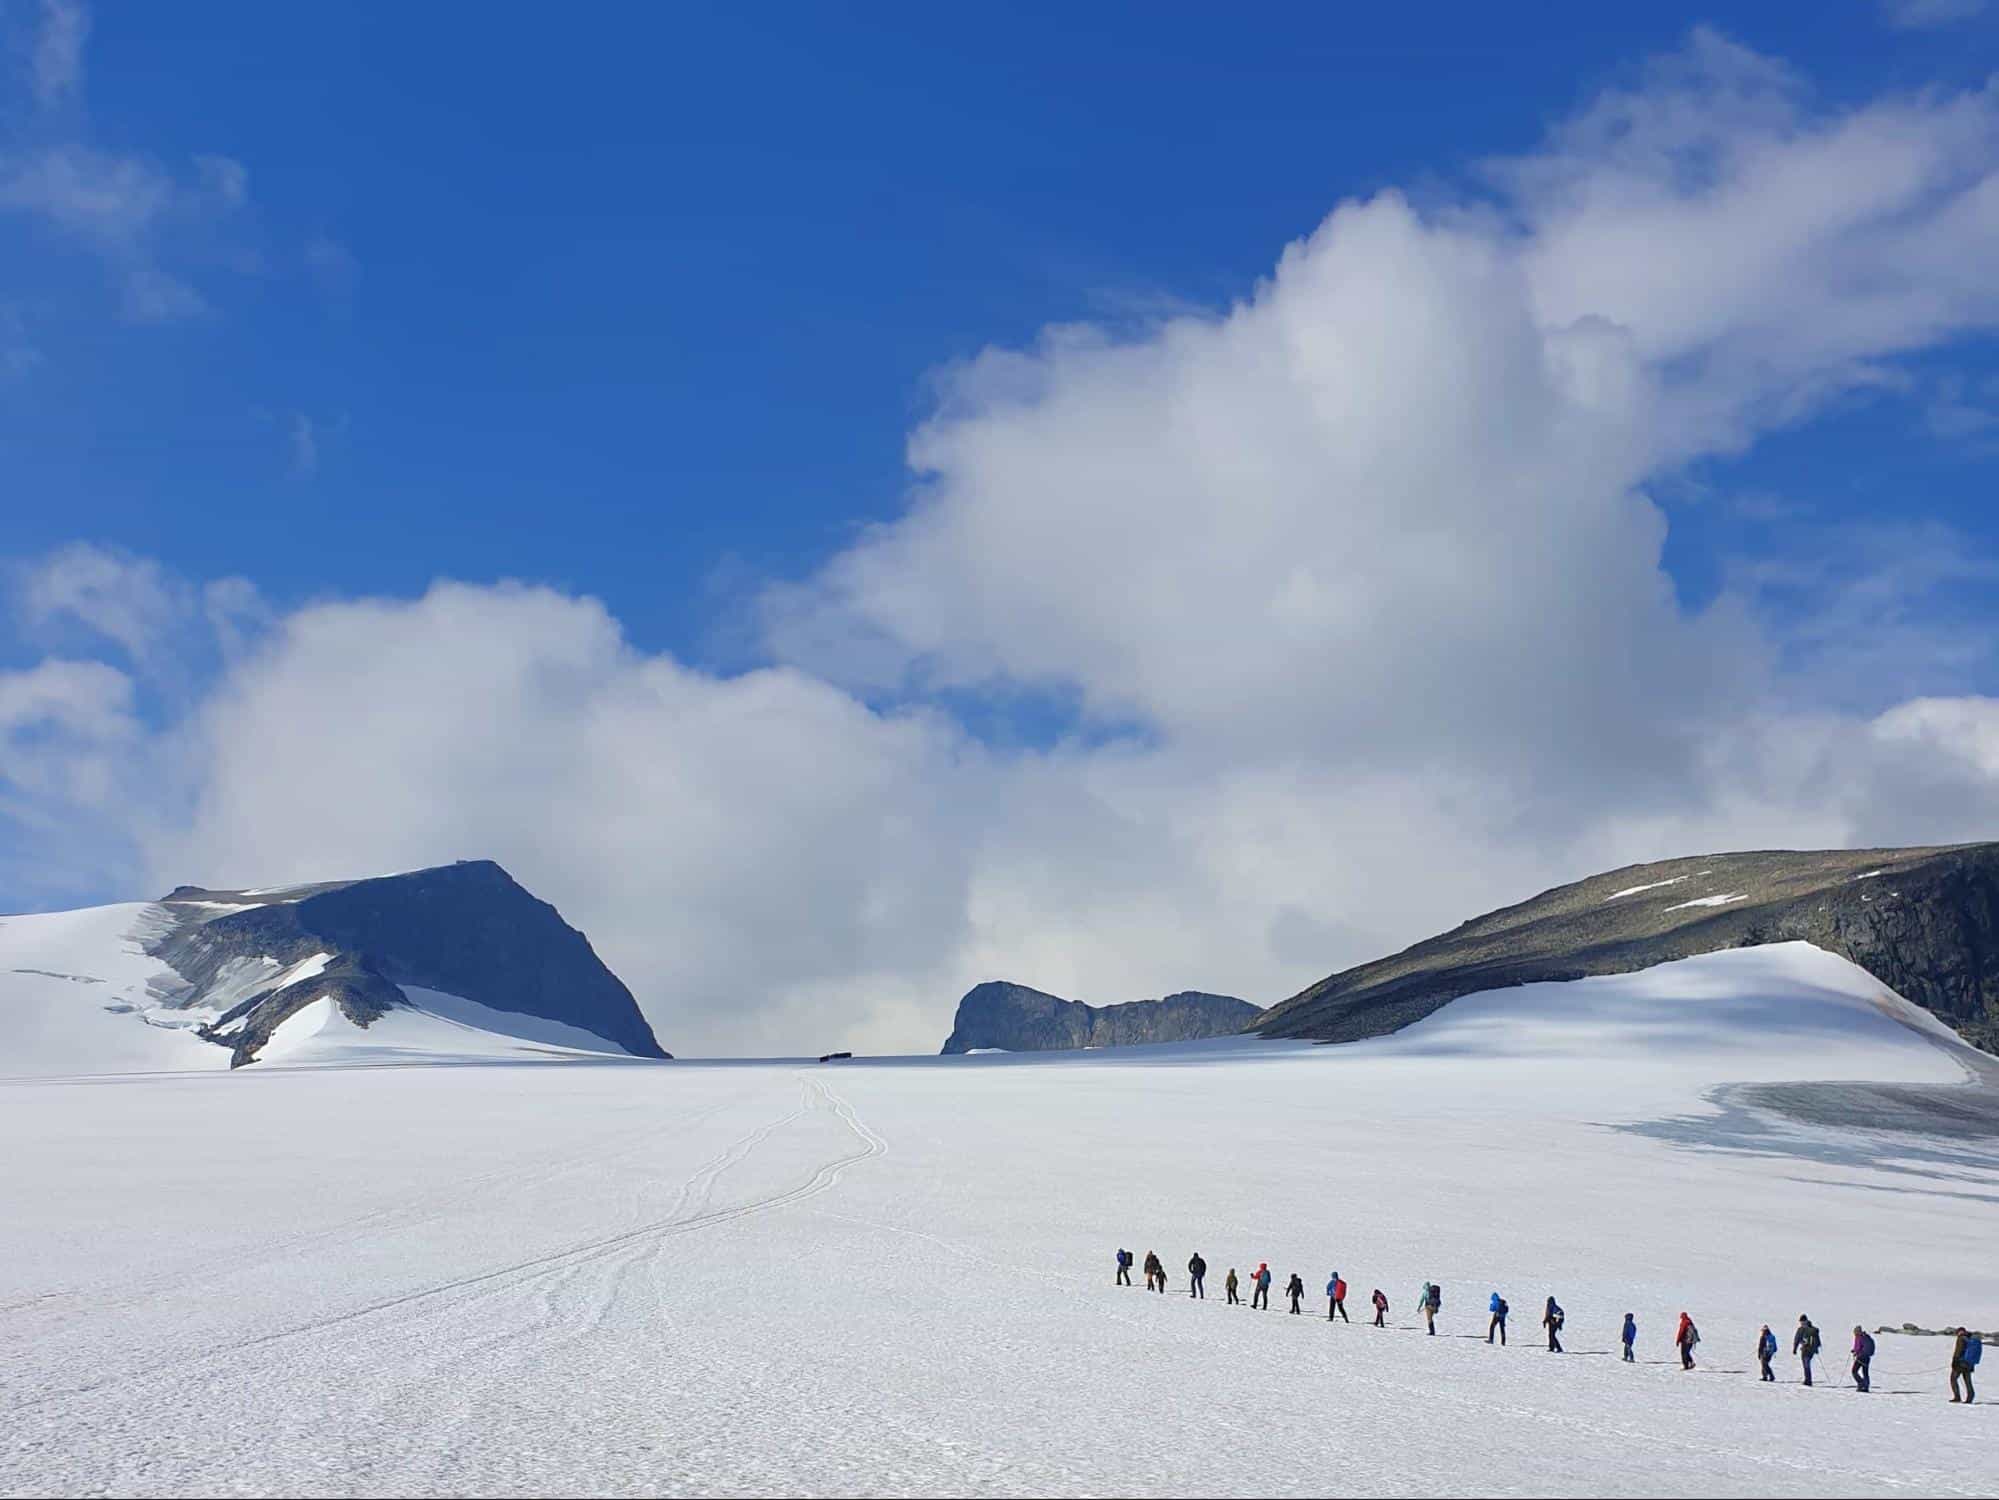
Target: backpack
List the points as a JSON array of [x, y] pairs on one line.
[[1811, 1341], [1436, 1296], [1124, 1259], [1973, 1347], [1866, 1346], [1502, 1309]]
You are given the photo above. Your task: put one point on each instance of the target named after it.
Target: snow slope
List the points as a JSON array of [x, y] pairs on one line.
[[77, 985], [437, 1028], [894, 1276]]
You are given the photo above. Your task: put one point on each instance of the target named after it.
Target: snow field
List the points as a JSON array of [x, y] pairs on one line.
[[896, 1276]]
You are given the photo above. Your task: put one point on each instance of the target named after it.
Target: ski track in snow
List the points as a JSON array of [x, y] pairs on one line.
[[695, 1193], [530, 1279]]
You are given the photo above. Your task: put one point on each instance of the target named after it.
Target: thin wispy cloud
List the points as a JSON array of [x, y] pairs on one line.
[[1923, 15], [57, 63], [304, 443]]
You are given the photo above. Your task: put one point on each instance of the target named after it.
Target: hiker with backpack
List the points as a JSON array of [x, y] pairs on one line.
[[1863, 1357], [1496, 1306], [1197, 1271], [1380, 1308], [1766, 1350], [1155, 1272], [1630, 1337], [1261, 1281], [1337, 1290], [1433, 1303], [1805, 1344], [1552, 1320], [1295, 1290], [1124, 1268], [1684, 1339], [1964, 1357], [1234, 1300]]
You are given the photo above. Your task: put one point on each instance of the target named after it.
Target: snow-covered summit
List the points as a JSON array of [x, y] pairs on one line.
[[457, 959]]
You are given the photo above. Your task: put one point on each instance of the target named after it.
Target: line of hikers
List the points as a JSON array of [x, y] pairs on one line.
[[1806, 1341]]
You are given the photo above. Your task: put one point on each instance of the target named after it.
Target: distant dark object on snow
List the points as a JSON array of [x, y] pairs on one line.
[[1925, 922], [834, 1056], [1014, 1018]]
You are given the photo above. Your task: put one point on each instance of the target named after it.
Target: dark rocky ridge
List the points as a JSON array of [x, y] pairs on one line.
[[1015, 1018], [1925, 922], [466, 929]]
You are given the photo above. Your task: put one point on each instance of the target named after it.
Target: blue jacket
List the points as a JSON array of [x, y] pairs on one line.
[[1494, 1305], [1630, 1329], [1766, 1347]]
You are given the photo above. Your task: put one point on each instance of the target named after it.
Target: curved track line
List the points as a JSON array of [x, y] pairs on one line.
[[824, 1177]]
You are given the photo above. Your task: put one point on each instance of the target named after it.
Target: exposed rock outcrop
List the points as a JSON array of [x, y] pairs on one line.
[[1925, 922], [468, 930], [1014, 1018]]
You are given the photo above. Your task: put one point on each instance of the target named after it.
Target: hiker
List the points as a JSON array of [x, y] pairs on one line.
[[1332, 1296], [1340, 1296], [1261, 1281], [1124, 1268], [1380, 1308], [1552, 1320], [1234, 1300], [1805, 1344], [1197, 1270], [1766, 1350], [1630, 1337], [1497, 1307], [1155, 1272], [1964, 1355], [1684, 1339], [1295, 1290], [1863, 1356], [1433, 1303]]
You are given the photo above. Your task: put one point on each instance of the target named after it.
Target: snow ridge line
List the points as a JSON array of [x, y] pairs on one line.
[[828, 1174]]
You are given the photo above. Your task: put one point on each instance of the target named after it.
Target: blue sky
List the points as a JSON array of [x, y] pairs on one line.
[[853, 501], [644, 304]]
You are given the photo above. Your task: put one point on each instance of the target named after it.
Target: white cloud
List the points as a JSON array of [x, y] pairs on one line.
[[68, 735], [303, 439], [58, 54], [144, 219], [113, 201], [1916, 15], [168, 629]]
